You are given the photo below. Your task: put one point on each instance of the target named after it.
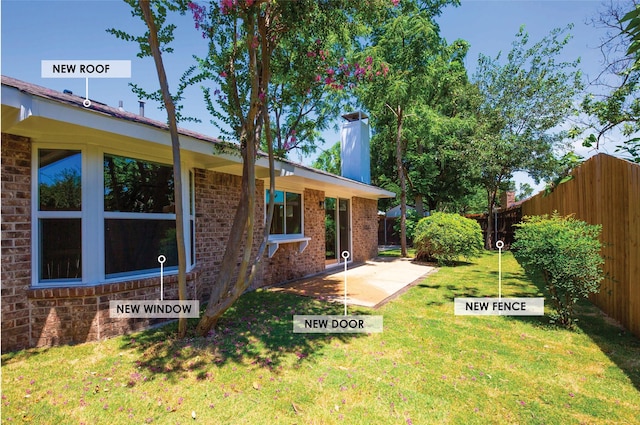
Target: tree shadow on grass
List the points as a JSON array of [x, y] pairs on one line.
[[617, 343], [22, 355], [620, 345], [453, 291], [257, 331]]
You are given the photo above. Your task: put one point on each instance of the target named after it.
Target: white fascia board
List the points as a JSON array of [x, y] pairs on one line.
[[12, 96], [22, 102], [285, 169]]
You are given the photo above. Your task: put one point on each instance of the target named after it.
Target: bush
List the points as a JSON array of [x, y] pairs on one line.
[[566, 252], [447, 237]]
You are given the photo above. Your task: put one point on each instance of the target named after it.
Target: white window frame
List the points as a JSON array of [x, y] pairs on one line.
[[37, 215], [92, 216], [285, 236], [275, 240]]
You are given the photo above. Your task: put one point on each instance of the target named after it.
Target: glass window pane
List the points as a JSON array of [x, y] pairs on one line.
[[345, 231], [133, 246], [60, 249], [330, 228], [277, 224], [294, 213], [59, 177], [133, 185]]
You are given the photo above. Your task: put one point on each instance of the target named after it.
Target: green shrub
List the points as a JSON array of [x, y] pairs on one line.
[[566, 252], [447, 237]]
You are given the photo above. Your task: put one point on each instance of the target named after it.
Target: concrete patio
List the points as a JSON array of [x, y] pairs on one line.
[[371, 284]]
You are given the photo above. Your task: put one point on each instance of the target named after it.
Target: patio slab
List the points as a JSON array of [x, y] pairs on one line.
[[370, 284]]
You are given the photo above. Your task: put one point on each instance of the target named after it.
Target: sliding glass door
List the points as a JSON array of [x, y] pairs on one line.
[[337, 229]]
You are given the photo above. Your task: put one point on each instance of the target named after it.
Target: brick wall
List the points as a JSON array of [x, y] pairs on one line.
[[16, 240], [289, 264], [365, 228], [217, 196], [78, 314]]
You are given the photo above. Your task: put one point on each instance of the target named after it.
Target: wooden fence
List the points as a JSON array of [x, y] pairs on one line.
[[606, 190], [503, 224]]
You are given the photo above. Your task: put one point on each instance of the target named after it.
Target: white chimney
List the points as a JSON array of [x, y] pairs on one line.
[[354, 148]]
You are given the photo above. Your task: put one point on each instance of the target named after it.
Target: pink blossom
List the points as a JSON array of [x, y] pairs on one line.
[[223, 74], [227, 6], [198, 12], [395, 2]]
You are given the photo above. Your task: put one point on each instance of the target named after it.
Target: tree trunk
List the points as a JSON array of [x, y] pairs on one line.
[[177, 168], [227, 291], [403, 185], [221, 294], [419, 206], [491, 202]]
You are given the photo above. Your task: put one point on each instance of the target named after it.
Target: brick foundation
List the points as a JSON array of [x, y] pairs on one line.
[[78, 314]]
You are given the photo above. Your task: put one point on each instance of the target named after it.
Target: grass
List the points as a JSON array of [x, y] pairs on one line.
[[395, 252], [428, 366]]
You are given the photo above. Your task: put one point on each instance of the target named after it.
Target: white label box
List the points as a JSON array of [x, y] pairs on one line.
[[154, 309], [532, 306], [85, 68], [337, 324]]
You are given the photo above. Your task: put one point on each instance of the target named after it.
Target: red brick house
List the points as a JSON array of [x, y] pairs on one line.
[[87, 207]]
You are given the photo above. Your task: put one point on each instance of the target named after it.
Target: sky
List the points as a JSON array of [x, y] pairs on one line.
[[33, 31]]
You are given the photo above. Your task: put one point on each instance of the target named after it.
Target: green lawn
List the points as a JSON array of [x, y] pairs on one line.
[[428, 366]]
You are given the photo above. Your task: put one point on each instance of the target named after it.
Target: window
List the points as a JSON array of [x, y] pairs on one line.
[[59, 215], [139, 215], [287, 213], [100, 216]]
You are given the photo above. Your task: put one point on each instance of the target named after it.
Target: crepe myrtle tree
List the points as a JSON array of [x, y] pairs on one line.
[[247, 42], [250, 43]]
